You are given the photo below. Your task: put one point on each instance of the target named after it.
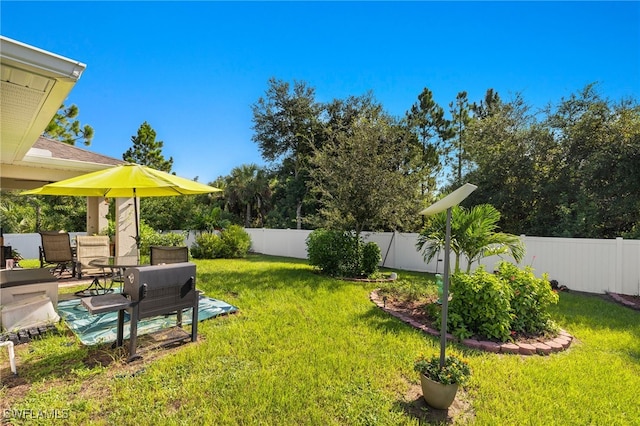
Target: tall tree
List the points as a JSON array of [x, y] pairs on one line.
[[147, 151], [600, 145], [426, 120], [571, 174], [460, 118], [500, 147], [366, 177], [487, 107], [341, 114], [286, 122], [64, 127]]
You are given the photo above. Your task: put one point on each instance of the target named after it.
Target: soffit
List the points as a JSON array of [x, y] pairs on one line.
[[33, 85]]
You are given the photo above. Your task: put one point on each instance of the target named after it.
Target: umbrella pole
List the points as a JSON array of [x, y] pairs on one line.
[[135, 212]]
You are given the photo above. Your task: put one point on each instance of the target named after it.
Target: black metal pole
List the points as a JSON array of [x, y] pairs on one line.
[[389, 248], [135, 218], [445, 289]]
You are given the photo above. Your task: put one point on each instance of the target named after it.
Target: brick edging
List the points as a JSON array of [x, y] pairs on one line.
[[547, 347], [621, 300]]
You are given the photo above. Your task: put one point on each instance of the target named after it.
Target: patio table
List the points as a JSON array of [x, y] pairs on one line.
[[116, 265]]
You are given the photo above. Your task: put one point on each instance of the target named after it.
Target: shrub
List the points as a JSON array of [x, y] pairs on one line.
[[151, 237], [340, 253], [531, 298], [207, 246], [233, 242], [371, 257], [480, 305], [500, 305], [326, 249]]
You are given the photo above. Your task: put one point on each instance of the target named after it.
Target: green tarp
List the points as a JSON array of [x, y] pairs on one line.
[[101, 328]]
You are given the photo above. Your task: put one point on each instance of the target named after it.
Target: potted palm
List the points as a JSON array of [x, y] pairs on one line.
[[440, 384]]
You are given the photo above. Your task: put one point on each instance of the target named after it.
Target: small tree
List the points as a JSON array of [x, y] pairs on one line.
[[368, 177], [473, 234]]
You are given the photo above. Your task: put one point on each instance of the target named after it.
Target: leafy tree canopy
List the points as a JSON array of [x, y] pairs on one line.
[[365, 177], [287, 124]]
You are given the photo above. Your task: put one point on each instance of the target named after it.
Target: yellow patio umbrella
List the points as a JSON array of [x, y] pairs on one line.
[[124, 181]]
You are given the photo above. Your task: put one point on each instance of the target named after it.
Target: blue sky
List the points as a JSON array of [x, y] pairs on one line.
[[193, 69]]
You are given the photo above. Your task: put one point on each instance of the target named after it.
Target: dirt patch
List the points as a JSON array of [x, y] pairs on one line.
[[460, 412], [633, 299], [151, 347], [380, 279], [99, 358]]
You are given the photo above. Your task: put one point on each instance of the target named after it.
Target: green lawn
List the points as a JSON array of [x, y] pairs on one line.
[[306, 349]]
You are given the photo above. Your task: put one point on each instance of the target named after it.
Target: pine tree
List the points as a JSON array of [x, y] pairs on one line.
[[65, 129], [147, 151]]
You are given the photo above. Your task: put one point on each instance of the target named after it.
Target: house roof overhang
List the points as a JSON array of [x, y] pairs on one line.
[[33, 85], [51, 161]]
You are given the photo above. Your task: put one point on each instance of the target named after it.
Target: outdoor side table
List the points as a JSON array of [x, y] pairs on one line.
[[109, 303], [117, 265]]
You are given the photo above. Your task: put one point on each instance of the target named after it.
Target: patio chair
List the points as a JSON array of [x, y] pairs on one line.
[[89, 248], [56, 250], [162, 254]]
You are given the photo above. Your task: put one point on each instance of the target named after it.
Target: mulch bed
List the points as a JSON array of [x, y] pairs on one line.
[[416, 312]]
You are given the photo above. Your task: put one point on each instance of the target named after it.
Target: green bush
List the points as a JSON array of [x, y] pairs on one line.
[[207, 246], [151, 237], [531, 298], [480, 305], [340, 253], [233, 242], [325, 250], [500, 305], [371, 257]]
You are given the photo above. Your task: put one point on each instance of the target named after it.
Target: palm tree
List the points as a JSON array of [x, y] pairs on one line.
[[248, 188], [473, 234]]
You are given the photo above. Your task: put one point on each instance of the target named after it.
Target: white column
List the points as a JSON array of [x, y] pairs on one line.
[[97, 211], [125, 228]]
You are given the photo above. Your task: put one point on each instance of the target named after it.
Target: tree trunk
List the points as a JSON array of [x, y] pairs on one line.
[[299, 215], [247, 219]]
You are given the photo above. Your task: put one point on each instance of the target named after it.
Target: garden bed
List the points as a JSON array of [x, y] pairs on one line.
[[415, 314]]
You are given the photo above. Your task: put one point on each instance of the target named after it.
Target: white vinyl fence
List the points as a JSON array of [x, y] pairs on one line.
[[589, 265]]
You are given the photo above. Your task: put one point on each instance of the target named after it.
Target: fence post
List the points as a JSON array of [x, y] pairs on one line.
[[618, 279], [395, 249]]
